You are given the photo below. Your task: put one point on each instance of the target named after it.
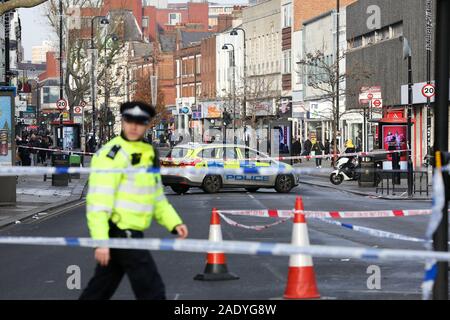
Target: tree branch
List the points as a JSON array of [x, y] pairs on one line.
[[14, 4]]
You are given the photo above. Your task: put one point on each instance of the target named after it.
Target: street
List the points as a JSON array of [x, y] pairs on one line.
[[38, 272]]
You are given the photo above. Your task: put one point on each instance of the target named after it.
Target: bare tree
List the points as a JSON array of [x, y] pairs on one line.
[[320, 74], [260, 94], [77, 80]]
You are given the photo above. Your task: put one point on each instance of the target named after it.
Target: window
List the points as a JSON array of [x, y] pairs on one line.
[[287, 15], [286, 68], [145, 22], [51, 94], [230, 153], [397, 30], [355, 43], [208, 153], [174, 18], [178, 152]]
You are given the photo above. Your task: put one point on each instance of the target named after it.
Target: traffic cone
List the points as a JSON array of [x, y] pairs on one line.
[[301, 283], [216, 267]]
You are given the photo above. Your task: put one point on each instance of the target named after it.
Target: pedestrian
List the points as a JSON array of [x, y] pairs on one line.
[[91, 144], [327, 147], [34, 143], [43, 154], [121, 205], [349, 146], [318, 148], [297, 150], [307, 146], [180, 140], [24, 153]]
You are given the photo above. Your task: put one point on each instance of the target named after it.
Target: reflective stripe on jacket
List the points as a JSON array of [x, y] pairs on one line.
[[131, 201]]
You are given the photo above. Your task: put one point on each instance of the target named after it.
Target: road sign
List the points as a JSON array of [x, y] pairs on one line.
[[369, 93], [61, 104], [377, 103], [428, 90], [78, 110], [82, 104]]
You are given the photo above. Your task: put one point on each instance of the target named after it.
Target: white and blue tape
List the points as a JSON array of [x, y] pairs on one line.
[[21, 171], [236, 247], [372, 232]]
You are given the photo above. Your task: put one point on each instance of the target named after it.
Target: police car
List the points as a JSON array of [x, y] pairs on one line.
[[227, 156]]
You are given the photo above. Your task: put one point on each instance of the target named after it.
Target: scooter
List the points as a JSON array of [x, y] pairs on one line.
[[346, 170]]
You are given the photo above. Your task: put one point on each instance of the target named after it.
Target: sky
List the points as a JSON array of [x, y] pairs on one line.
[[35, 28]]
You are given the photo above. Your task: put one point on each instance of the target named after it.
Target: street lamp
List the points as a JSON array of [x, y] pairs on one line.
[[114, 38], [233, 64], [234, 32], [103, 21], [407, 55]]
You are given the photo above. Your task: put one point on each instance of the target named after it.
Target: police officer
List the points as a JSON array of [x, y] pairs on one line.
[[122, 205]]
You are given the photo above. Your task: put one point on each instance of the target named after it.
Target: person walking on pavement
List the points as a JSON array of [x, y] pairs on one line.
[[307, 146], [296, 150], [121, 205], [327, 147], [318, 149], [34, 143]]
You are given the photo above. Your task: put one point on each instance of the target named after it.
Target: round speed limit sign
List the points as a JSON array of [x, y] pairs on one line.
[[428, 91], [61, 104]]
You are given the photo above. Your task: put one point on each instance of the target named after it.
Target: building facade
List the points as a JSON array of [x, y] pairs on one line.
[[381, 47]]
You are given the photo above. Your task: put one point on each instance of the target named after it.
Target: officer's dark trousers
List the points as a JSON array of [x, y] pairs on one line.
[[137, 264]]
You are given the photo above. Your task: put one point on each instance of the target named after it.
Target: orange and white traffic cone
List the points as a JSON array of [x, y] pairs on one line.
[[216, 267], [301, 283]]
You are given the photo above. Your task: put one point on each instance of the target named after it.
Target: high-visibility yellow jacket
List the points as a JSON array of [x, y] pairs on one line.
[[129, 200]]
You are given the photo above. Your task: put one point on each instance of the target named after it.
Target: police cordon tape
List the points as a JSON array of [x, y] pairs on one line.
[[236, 247], [253, 227], [19, 171], [328, 214], [331, 155], [57, 150], [372, 232]]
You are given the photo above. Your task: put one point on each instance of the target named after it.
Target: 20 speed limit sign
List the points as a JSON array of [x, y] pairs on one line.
[[61, 104], [428, 91]]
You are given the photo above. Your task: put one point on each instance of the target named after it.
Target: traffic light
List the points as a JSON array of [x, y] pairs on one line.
[[226, 118]]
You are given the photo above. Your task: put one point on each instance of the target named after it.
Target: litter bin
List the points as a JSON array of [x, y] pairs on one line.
[[75, 161], [60, 160], [367, 173]]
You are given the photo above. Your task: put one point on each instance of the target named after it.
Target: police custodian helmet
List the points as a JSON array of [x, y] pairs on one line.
[[137, 111]]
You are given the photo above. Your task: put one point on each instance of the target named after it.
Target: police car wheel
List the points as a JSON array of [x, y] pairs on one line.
[[180, 189], [284, 183], [252, 189], [211, 184]]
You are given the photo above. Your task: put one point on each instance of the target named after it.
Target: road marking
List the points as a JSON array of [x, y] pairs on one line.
[[277, 274], [176, 296]]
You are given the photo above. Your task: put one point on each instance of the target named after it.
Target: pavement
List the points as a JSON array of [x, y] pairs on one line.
[[35, 196], [39, 272], [323, 180]]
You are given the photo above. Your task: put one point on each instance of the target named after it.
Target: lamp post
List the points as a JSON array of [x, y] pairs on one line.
[[114, 38], [234, 32], [337, 76], [407, 55], [233, 64], [103, 21]]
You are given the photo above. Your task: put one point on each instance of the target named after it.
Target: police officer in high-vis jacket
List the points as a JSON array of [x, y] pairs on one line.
[[122, 205]]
